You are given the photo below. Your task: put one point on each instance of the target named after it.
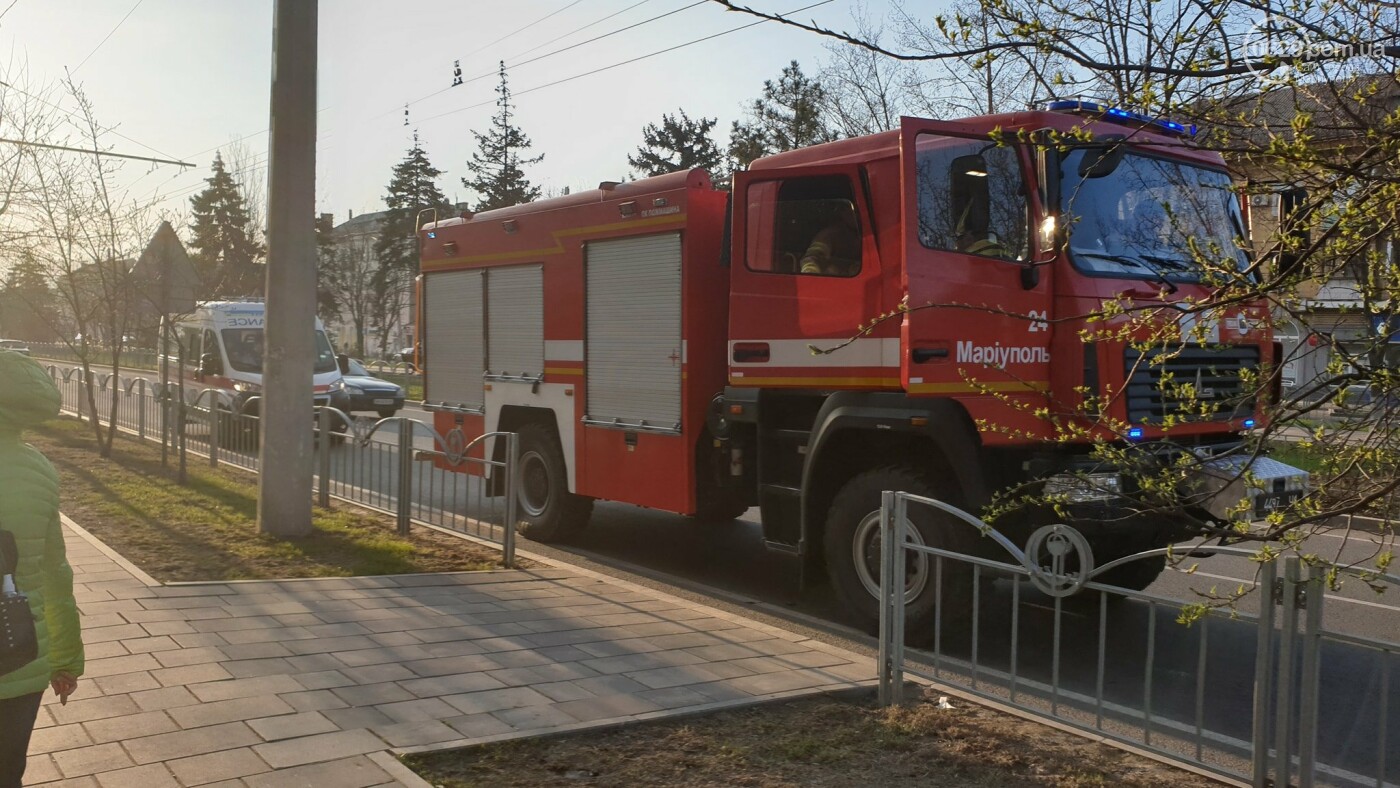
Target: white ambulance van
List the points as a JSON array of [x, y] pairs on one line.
[[223, 350]]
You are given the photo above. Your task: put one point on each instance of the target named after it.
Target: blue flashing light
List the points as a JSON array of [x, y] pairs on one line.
[[432, 234], [1116, 115], [1135, 433], [1249, 424]]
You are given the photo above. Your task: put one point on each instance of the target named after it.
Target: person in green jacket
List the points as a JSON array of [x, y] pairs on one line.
[[29, 510]]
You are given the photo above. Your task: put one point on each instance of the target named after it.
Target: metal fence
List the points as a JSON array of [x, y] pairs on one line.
[[398, 465], [1043, 632]]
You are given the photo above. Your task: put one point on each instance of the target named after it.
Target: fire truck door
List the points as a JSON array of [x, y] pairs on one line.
[[805, 273], [979, 311]]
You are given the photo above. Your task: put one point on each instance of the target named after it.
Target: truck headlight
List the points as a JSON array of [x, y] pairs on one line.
[[1083, 488], [243, 387]]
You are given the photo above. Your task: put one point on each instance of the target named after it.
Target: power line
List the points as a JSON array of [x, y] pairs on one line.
[[530, 25], [109, 35], [622, 63], [74, 116], [108, 154], [493, 72], [573, 32]]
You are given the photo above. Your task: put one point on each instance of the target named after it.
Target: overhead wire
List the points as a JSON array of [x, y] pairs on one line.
[[493, 72], [109, 35], [262, 165], [629, 61], [576, 31]]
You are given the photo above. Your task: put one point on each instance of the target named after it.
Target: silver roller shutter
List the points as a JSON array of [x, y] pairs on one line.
[[456, 338], [516, 321], [634, 347]]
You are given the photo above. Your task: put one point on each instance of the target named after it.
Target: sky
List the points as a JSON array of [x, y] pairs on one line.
[[184, 78]]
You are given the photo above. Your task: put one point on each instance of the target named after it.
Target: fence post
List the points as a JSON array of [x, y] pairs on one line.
[[141, 408], [215, 427], [1308, 684], [1264, 674], [887, 666], [405, 499], [323, 451], [1283, 711], [512, 499]]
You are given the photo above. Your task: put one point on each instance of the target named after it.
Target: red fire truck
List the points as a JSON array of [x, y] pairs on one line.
[[672, 345]]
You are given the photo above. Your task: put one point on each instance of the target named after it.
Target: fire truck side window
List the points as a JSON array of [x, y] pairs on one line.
[[972, 198], [815, 229]]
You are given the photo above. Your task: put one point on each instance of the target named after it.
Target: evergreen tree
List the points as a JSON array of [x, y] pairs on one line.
[[327, 299], [412, 188], [678, 144], [223, 241], [497, 174], [787, 117], [29, 307]]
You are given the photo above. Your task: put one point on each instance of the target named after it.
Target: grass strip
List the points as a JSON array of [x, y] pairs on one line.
[[206, 529]]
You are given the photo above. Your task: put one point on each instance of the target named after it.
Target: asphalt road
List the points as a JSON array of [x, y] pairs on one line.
[[730, 562]]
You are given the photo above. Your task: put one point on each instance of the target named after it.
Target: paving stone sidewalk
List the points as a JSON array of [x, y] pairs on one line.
[[317, 682]]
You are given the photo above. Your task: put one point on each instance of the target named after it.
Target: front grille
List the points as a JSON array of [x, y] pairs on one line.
[[1213, 370]]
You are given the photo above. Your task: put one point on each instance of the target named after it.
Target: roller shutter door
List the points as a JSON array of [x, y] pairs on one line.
[[456, 336], [634, 350], [516, 321]]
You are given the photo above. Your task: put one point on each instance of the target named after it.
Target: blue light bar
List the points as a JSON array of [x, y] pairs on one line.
[[1135, 433], [1249, 424], [1123, 116]]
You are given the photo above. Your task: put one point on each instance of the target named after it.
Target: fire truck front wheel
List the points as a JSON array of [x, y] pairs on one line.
[[852, 549], [548, 512]]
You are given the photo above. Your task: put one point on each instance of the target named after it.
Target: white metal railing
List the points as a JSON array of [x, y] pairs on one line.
[[455, 484], [1136, 675]]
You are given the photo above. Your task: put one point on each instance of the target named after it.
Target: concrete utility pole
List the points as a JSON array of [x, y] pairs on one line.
[[284, 484]]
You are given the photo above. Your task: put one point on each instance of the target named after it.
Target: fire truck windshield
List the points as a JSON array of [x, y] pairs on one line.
[[245, 350], [1150, 218]]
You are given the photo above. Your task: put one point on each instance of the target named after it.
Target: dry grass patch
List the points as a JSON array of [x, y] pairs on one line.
[[824, 742], [206, 529]]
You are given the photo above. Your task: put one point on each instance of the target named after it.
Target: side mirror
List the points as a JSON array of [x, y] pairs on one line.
[[1103, 158], [209, 364], [343, 361], [1098, 162]]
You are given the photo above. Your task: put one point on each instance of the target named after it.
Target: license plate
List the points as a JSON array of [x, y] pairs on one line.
[[1272, 502], [384, 402]]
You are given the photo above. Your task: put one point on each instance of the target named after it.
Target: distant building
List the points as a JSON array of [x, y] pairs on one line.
[[354, 241], [1333, 311]]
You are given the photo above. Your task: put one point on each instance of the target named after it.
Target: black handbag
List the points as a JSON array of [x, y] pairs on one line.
[[19, 643]]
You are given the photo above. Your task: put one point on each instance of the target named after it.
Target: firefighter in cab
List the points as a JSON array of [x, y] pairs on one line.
[[835, 249]]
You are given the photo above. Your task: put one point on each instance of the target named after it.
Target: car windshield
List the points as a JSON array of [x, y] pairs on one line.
[[1149, 217], [244, 347], [356, 368]]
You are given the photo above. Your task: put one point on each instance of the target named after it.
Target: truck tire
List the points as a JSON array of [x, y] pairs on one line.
[[852, 548], [548, 512]]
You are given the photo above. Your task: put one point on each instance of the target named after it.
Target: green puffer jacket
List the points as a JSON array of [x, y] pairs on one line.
[[29, 509]]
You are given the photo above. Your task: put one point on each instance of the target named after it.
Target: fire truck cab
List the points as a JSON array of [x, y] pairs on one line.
[[870, 314]]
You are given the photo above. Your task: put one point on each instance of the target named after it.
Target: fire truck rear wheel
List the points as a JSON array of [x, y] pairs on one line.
[[852, 548], [548, 512]]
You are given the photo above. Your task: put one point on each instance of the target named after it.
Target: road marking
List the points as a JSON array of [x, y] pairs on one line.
[[1329, 596]]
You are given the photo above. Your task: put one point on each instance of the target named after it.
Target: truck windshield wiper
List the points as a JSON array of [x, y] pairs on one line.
[[1158, 275]]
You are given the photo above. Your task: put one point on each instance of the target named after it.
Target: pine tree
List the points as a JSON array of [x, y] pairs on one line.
[[787, 117], [29, 307], [412, 188], [678, 144], [223, 245], [497, 174]]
